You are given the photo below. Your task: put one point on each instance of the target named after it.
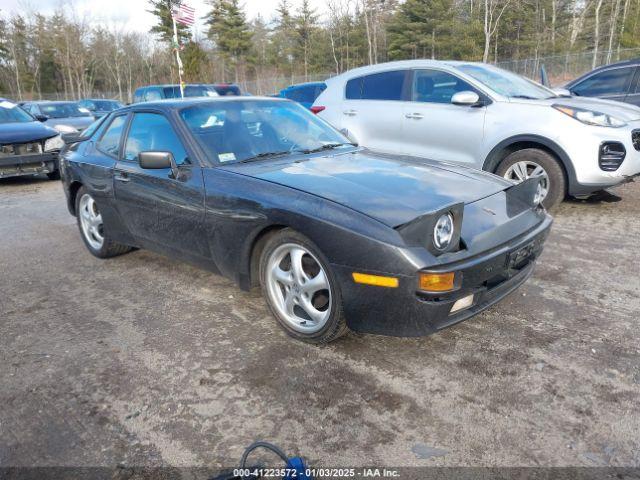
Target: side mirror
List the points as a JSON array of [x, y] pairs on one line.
[[561, 92], [42, 118], [156, 160], [466, 99], [70, 138]]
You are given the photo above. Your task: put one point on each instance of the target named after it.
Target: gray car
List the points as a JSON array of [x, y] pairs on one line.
[[65, 117], [484, 117]]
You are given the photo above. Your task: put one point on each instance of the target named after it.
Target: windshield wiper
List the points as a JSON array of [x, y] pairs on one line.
[[328, 146], [526, 97], [266, 154]]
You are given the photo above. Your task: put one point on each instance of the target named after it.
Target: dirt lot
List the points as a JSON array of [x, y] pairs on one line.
[[140, 360]]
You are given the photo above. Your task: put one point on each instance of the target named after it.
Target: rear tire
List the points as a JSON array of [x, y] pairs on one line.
[[527, 160], [92, 231], [300, 288]]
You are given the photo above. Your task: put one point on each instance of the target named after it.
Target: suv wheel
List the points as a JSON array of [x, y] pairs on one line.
[[300, 288], [92, 229], [533, 162]]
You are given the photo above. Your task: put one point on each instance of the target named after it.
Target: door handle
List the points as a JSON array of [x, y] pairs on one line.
[[123, 177], [415, 116], [350, 113]]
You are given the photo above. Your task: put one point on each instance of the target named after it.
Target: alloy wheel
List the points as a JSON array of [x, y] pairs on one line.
[[298, 288], [521, 171], [91, 222]]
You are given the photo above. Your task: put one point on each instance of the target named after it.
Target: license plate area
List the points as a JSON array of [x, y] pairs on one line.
[[521, 257]]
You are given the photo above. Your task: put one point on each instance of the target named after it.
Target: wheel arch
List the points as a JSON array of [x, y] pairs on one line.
[[74, 187], [519, 142], [249, 276]]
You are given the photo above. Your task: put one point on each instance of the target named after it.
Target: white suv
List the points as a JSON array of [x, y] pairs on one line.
[[484, 117]]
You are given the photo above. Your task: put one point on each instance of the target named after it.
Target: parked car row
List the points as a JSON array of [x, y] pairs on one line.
[[152, 93]]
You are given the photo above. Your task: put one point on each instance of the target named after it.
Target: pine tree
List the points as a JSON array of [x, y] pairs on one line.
[[306, 22], [229, 32], [161, 9]]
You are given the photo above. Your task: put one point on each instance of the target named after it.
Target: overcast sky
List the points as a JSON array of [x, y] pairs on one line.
[[132, 14]]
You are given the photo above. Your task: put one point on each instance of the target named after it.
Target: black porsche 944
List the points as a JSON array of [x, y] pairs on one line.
[[338, 237]]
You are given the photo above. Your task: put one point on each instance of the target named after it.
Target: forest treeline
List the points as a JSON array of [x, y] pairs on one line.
[[73, 56]]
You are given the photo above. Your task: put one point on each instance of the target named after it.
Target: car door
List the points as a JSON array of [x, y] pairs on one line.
[[435, 128], [372, 110], [611, 84], [164, 207]]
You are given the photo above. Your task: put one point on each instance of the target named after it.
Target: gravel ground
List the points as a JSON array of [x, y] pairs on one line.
[[140, 360]]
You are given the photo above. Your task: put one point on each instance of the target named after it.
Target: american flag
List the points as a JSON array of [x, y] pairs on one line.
[[184, 14]]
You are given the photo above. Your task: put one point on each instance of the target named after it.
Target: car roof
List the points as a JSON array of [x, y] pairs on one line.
[[51, 102], [101, 99], [165, 85], [402, 64], [179, 103], [305, 84]]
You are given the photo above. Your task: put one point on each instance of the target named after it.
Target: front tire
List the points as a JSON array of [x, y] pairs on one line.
[[300, 288], [533, 162], [92, 230]]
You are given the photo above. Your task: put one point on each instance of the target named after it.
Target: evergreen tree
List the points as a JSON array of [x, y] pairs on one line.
[[161, 9], [305, 25], [229, 31]]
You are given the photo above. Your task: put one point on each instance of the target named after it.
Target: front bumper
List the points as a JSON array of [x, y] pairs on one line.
[[16, 165], [406, 312]]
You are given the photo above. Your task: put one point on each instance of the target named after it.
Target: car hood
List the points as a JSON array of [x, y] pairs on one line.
[[392, 189], [622, 111], [21, 132], [75, 122]]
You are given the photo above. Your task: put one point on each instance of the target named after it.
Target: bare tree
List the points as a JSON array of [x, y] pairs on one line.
[[493, 10]]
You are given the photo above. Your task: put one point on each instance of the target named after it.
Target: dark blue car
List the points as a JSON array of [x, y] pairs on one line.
[[27, 146], [338, 237], [304, 93]]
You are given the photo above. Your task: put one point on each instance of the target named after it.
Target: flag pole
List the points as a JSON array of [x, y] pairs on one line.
[[176, 46]]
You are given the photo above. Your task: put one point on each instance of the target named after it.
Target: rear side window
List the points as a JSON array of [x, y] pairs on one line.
[[138, 95], [109, 143], [152, 94], [610, 82], [302, 94], [152, 132], [378, 86]]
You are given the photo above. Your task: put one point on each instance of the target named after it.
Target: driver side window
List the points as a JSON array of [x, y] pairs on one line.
[[433, 86], [152, 132]]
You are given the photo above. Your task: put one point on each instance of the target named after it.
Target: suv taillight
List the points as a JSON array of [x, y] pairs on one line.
[[317, 109]]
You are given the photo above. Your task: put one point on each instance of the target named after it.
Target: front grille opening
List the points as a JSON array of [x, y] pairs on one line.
[[611, 156], [635, 138]]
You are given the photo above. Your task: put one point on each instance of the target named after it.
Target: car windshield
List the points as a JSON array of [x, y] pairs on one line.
[[11, 113], [506, 83], [106, 105], [63, 110], [248, 130], [190, 91]]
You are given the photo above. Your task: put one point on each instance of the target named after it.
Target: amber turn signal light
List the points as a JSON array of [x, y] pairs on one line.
[[376, 280], [437, 282]]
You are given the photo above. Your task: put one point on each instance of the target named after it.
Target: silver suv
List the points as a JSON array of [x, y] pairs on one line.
[[484, 117]]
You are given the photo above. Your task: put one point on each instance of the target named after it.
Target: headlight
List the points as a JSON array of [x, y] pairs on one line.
[[443, 231], [590, 117], [54, 143], [65, 129]]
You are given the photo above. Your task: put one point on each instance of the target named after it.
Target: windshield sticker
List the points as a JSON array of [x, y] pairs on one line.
[[5, 104], [227, 157]]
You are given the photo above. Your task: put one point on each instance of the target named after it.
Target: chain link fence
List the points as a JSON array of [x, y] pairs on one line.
[[562, 68]]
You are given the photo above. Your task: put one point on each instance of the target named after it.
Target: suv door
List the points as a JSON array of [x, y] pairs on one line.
[[612, 84], [163, 207], [435, 128], [372, 109]]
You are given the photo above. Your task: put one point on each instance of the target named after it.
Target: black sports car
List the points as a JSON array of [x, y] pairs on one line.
[[27, 147], [263, 192]]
